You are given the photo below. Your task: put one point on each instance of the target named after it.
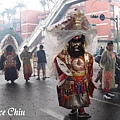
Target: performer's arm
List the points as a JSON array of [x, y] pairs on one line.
[[2, 59], [91, 85], [103, 59]]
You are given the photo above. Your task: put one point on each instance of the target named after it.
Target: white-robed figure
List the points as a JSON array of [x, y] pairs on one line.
[[68, 46], [10, 62]]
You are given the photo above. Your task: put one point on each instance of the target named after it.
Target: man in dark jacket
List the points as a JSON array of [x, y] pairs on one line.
[[41, 64]]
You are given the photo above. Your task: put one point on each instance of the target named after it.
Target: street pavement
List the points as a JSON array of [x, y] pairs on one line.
[[37, 100]]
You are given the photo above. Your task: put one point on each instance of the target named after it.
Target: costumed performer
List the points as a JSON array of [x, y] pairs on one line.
[[10, 62], [73, 64]]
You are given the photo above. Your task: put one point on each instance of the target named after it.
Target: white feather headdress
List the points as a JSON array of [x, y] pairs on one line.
[[9, 40]]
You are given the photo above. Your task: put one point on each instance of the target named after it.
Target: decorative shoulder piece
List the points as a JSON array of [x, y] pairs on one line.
[[63, 67]]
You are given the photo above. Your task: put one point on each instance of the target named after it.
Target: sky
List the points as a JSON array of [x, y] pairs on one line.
[[31, 4]]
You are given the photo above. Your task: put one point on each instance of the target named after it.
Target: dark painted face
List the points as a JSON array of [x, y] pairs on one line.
[[76, 48], [9, 48]]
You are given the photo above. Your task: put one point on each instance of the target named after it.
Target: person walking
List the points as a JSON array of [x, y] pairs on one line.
[[107, 62], [9, 62], [25, 57], [41, 63]]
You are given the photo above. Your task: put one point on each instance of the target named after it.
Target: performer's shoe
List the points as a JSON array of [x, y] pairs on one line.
[[111, 94], [38, 78], [27, 80], [107, 97], [73, 112], [84, 115], [44, 78]]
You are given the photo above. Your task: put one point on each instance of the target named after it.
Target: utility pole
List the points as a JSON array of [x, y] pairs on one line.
[[117, 36], [117, 33]]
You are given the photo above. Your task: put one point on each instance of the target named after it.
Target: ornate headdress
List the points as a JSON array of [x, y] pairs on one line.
[[59, 34], [75, 24]]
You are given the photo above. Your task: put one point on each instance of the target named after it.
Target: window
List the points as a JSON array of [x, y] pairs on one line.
[[112, 22], [112, 33], [115, 1], [18, 25], [24, 20], [24, 30], [111, 8]]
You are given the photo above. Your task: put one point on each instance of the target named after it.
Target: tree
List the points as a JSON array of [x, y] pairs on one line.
[[11, 12], [44, 2], [20, 6], [3, 15], [8, 12]]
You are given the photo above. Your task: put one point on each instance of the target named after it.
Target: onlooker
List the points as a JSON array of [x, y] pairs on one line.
[[107, 62], [41, 62]]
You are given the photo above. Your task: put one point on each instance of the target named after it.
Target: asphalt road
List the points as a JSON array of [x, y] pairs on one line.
[[37, 100]]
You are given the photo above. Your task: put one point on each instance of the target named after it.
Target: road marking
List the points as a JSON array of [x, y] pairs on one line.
[[105, 102], [52, 113], [55, 88], [49, 86]]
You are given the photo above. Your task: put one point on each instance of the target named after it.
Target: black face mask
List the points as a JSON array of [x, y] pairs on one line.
[[76, 51], [9, 48]]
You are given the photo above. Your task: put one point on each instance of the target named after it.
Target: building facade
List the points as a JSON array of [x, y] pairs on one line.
[[107, 29], [29, 20]]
